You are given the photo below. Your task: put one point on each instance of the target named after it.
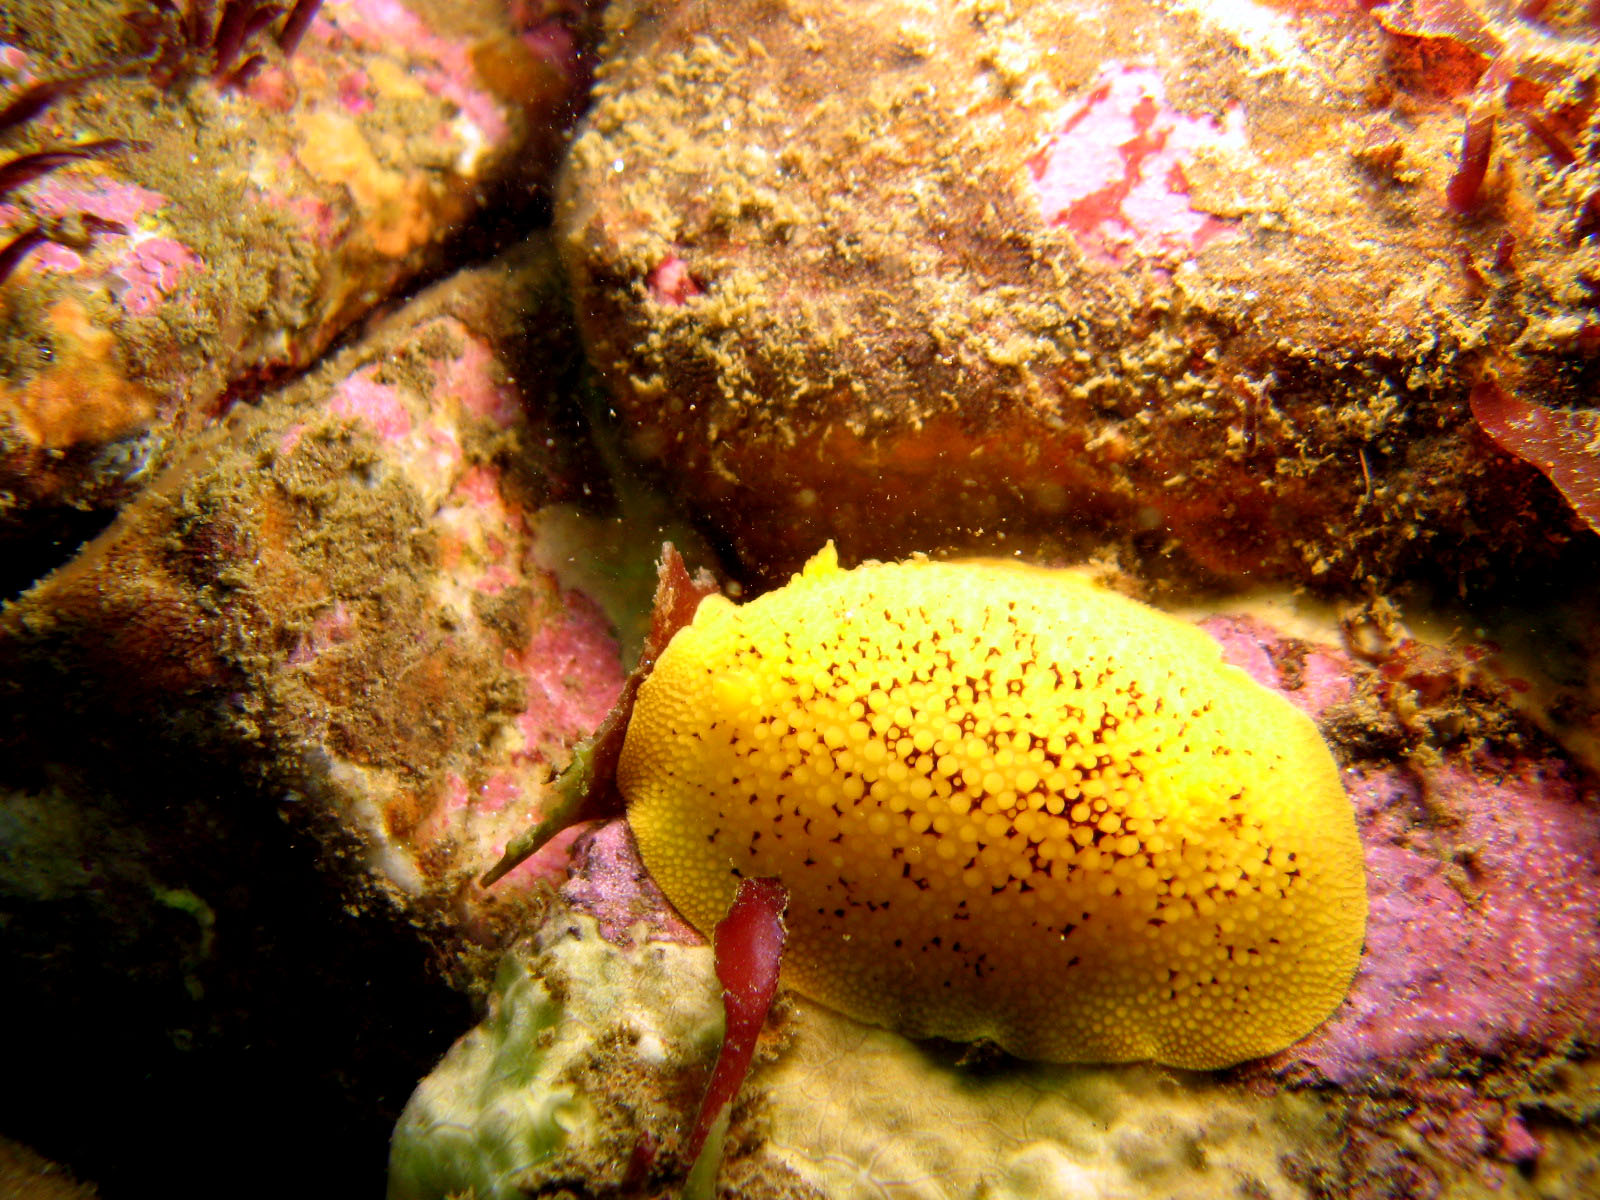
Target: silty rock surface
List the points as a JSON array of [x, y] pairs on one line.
[[27, 1176], [1462, 1063], [240, 230], [1178, 278]]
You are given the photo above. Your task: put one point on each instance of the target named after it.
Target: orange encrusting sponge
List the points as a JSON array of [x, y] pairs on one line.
[[1008, 804]]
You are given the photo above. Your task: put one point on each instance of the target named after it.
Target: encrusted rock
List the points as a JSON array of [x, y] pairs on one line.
[[239, 226], [1179, 279]]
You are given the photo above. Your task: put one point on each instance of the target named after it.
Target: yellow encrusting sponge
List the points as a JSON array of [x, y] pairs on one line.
[[1008, 804]]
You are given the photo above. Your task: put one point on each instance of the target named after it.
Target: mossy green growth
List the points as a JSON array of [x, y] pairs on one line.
[[584, 1044]]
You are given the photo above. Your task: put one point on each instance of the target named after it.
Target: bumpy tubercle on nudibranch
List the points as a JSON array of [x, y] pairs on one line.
[[1008, 804]]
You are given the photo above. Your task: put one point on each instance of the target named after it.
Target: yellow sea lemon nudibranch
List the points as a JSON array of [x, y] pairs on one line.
[[1007, 804]]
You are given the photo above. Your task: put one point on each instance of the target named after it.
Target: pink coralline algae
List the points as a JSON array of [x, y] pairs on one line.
[[352, 163], [1113, 174], [107, 198], [609, 883], [153, 271], [468, 379], [571, 671], [1483, 880], [413, 667], [442, 64], [143, 270], [377, 405], [1482, 936]]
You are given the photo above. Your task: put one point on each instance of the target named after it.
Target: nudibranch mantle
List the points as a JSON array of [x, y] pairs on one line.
[[1008, 804]]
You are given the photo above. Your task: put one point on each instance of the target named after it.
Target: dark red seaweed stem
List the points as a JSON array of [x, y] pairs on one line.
[[18, 248], [203, 37], [241, 21], [1477, 142], [200, 22], [243, 73], [25, 168], [749, 946], [261, 20], [294, 29], [31, 101]]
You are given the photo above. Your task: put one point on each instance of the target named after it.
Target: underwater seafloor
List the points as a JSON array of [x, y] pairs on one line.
[[357, 357]]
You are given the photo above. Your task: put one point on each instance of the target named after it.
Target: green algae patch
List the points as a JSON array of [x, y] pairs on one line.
[[585, 1045]]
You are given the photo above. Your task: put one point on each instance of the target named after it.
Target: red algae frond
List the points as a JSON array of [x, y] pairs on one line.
[[34, 99], [26, 168], [1564, 446], [749, 948], [295, 25], [1477, 142]]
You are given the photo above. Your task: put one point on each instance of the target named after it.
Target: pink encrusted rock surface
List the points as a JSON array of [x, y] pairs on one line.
[[1484, 938], [241, 230], [1483, 877], [1179, 280], [262, 736], [609, 882], [343, 587]]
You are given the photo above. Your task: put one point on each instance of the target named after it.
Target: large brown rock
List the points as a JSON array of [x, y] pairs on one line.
[[1177, 279]]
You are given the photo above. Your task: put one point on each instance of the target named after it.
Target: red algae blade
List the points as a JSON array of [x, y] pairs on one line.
[[1477, 141], [1565, 447], [28, 167], [232, 31], [32, 101], [749, 947], [678, 595], [18, 248]]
